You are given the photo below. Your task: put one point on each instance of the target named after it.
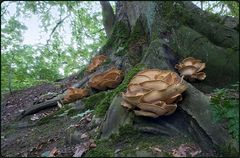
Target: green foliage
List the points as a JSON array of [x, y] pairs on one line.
[[24, 65], [230, 8], [225, 106]]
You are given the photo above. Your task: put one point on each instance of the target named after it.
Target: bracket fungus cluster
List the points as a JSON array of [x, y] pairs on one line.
[[190, 68], [74, 94], [154, 92], [108, 79], [96, 62]]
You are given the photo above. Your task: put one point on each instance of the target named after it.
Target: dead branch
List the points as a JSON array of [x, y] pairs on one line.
[[56, 26]]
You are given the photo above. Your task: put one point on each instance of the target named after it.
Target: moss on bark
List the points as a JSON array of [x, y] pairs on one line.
[[118, 37], [221, 69]]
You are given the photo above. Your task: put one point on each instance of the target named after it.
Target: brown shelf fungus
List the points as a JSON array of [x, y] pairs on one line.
[[96, 62], [190, 68], [154, 93], [74, 94], [108, 79]]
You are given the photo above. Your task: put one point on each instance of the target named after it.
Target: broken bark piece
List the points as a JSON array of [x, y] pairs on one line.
[[38, 107]]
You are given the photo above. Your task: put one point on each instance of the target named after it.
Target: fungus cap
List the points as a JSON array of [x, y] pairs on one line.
[[108, 79], [96, 62], [74, 94], [153, 92], [190, 68]]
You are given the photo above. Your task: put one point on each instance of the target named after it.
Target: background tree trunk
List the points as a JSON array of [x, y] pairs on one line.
[[108, 17]]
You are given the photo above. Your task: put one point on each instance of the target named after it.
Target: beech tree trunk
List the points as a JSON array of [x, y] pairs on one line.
[[184, 30], [108, 17], [159, 34]]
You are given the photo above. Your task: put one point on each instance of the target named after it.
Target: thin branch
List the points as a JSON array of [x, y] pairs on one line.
[[98, 30], [60, 21], [5, 9]]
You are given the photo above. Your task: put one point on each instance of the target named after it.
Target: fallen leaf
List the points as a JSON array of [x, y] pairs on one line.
[[88, 119], [54, 152], [34, 117], [117, 151], [21, 110], [84, 135], [194, 153], [186, 150], [70, 126], [80, 149], [156, 150]]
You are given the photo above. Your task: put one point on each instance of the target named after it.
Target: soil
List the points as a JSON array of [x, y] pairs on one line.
[[66, 136], [19, 138]]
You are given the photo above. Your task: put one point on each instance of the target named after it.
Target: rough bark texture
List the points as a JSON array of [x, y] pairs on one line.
[[108, 17], [169, 32]]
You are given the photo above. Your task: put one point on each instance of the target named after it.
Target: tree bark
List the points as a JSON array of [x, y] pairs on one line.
[[162, 34], [108, 17]]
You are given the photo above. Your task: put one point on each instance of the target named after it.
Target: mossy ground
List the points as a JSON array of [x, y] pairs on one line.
[[130, 141]]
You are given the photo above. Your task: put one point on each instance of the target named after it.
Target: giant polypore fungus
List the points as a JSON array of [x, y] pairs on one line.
[[74, 94], [153, 93], [108, 79], [96, 62], [190, 68]]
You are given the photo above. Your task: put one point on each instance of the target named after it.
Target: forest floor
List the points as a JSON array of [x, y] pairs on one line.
[[65, 136], [19, 138]]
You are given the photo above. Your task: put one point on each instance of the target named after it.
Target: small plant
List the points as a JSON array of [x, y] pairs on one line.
[[225, 107]]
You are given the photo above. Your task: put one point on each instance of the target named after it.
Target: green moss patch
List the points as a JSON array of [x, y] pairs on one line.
[[130, 141], [137, 33], [137, 39], [92, 101], [100, 151], [119, 36]]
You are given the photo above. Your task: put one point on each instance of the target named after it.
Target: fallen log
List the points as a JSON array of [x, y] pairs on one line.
[[38, 107], [54, 101]]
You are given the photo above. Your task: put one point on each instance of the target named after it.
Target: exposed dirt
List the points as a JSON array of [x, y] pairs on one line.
[[11, 105], [18, 138]]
